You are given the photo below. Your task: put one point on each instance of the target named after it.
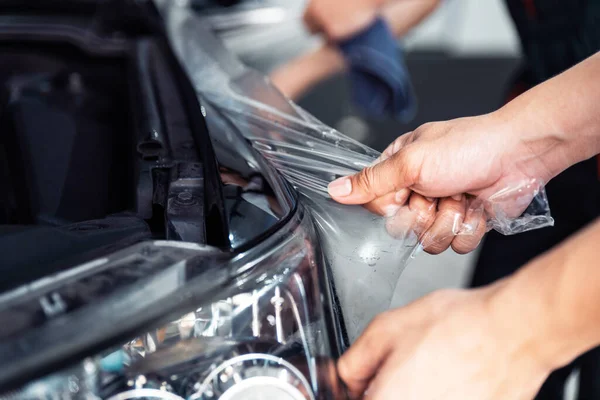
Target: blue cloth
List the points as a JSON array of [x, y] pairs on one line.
[[379, 79]]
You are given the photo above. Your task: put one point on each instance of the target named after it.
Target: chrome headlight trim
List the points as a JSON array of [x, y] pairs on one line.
[[284, 274]]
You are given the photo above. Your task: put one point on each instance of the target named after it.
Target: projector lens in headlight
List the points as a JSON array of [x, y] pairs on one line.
[[266, 335]]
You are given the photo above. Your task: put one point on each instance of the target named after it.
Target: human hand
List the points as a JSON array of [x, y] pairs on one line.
[[337, 19], [469, 163], [451, 345]]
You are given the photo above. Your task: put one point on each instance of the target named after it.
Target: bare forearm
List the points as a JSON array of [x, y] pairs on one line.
[[554, 302], [559, 119], [300, 74]]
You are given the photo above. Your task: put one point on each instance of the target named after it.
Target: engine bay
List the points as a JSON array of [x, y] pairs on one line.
[[144, 253], [104, 144]]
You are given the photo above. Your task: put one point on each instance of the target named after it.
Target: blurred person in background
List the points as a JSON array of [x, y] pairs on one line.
[[555, 35]]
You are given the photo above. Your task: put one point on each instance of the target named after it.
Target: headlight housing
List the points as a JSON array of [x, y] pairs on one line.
[[258, 325]]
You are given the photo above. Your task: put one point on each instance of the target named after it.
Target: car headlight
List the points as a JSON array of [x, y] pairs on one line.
[[266, 331]]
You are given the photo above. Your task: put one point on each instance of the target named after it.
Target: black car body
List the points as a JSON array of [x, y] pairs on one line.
[[139, 258]]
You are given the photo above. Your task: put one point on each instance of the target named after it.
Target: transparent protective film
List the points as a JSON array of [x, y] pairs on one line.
[[367, 252]]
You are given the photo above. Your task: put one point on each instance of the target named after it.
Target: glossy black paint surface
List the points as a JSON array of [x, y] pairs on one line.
[[214, 193]]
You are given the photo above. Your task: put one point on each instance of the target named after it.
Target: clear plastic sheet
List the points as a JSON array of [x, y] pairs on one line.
[[367, 252]]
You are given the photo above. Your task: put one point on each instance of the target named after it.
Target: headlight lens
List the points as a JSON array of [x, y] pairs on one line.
[[267, 336]]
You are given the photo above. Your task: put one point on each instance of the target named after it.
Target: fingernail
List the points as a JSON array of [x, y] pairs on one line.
[[457, 197], [401, 196], [341, 187], [430, 199], [391, 210]]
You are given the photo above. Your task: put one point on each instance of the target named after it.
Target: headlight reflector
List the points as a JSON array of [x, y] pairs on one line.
[[267, 335]]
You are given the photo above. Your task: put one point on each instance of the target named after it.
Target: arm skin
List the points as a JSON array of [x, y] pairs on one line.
[[561, 115], [554, 302], [299, 75]]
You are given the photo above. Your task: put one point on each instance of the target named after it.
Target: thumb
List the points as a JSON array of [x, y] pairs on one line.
[[391, 175], [360, 363]]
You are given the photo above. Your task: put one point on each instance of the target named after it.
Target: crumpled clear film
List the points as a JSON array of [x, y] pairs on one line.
[[367, 252]]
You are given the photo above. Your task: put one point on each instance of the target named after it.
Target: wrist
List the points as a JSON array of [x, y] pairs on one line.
[[558, 118], [519, 324], [329, 61], [539, 147], [527, 307]]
